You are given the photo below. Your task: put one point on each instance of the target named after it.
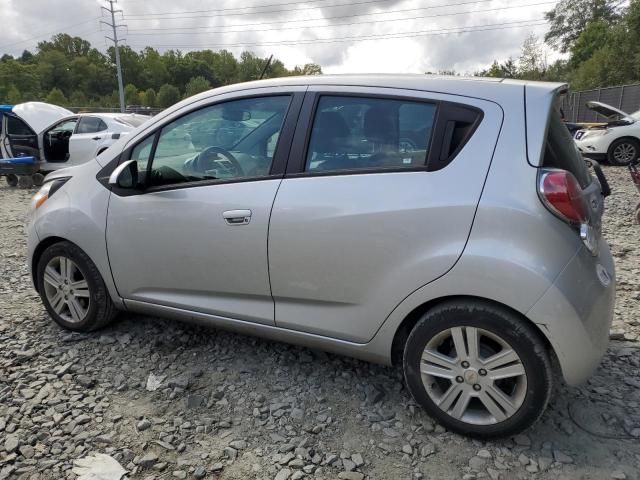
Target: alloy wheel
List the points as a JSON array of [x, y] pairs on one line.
[[473, 375], [624, 153], [66, 289]]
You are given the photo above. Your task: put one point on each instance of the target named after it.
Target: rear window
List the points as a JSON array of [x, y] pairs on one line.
[[132, 121], [562, 152]]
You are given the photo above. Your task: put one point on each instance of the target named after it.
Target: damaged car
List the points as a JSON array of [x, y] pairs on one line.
[[617, 141]]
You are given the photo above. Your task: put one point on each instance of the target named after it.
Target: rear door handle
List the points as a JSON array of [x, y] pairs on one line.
[[96, 138], [237, 217]]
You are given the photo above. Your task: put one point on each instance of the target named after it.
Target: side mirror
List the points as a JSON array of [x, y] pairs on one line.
[[125, 175]]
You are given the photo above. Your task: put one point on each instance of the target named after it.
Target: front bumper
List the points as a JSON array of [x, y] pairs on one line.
[[576, 312], [598, 157]]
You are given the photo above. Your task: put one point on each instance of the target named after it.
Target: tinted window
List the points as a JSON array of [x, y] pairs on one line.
[[562, 152], [363, 133], [230, 140], [15, 126], [91, 125]]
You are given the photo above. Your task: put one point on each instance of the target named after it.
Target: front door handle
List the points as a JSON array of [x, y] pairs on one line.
[[237, 217]]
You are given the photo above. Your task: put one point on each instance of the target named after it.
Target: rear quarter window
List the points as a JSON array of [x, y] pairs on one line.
[[561, 151]]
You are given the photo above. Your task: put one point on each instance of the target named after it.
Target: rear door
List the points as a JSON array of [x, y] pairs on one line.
[[84, 142], [378, 200]]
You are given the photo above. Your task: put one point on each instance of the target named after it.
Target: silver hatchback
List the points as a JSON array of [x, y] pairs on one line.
[[446, 225]]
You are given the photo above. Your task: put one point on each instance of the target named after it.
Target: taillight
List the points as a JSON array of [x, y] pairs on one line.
[[562, 195]]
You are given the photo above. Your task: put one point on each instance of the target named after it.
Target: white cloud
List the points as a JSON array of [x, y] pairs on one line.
[[416, 52]]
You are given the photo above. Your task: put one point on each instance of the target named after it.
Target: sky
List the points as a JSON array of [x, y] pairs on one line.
[[342, 36]]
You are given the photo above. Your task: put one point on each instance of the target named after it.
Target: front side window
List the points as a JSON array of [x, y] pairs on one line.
[[224, 141], [367, 133]]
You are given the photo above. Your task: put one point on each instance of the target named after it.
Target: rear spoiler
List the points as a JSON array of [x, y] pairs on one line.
[[539, 101]]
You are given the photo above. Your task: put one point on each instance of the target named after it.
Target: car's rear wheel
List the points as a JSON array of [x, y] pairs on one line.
[[623, 151], [72, 289], [12, 180], [479, 369]]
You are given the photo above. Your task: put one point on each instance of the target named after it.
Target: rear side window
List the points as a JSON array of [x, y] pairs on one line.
[[91, 125], [351, 133], [561, 151]]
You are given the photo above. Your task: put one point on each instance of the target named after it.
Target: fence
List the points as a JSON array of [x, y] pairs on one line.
[[129, 109], [624, 97]]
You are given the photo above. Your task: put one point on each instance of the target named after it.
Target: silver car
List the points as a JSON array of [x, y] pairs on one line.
[[445, 225]]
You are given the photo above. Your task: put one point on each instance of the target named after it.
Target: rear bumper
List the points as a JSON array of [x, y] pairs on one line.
[[575, 313]]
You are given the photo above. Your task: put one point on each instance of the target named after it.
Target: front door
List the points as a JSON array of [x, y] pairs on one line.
[[83, 144], [194, 236], [378, 201], [18, 139]]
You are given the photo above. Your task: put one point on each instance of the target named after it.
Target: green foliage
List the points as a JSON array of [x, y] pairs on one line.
[[131, 94], [82, 73], [569, 18], [196, 85], [167, 95], [149, 98], [603, 46], [56, 97]]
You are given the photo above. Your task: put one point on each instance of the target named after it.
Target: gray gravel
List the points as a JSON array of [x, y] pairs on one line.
[[169, 400]]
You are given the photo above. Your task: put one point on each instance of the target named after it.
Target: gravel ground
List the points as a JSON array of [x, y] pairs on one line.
[[228, 406]]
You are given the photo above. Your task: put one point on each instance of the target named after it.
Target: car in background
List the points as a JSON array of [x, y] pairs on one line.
[[617, 141], [448, 226], [56, 137]]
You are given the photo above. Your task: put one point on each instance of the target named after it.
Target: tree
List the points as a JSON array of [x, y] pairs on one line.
[[149, 98], [13, 95], [196, 85], [532, 63], [130, 94], [569, 18], [167, 95], [56, 97], [308, 69]]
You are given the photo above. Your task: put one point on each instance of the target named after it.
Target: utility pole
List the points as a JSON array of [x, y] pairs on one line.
[[114, 26]]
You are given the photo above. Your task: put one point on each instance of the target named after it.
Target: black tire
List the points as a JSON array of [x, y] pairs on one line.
[[630, 143], [38, 179], [521, 336], [101, 310], [12, 180], [25, 181]]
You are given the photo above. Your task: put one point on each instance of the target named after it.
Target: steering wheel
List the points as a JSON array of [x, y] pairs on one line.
[[209, 159]]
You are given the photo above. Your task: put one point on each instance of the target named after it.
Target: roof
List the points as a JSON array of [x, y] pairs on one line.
[[489, 88]]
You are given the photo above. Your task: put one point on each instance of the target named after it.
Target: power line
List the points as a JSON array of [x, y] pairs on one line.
[[299, 2], [114, 26], [367, 22], [404, 10], [419, 33], [310, 7]]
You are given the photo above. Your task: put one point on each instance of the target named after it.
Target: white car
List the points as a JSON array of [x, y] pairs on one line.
[[617, 141], [56, 137]]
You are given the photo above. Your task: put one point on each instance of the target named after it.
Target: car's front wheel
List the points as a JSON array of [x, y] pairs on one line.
[[623, 151], [72, 288], [479, 369]]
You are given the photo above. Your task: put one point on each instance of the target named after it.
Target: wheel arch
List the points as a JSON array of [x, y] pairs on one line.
[[37, 253], [624, 137], [406, 325]]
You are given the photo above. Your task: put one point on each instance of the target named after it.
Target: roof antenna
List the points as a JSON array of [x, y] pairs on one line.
[[264, 70]]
